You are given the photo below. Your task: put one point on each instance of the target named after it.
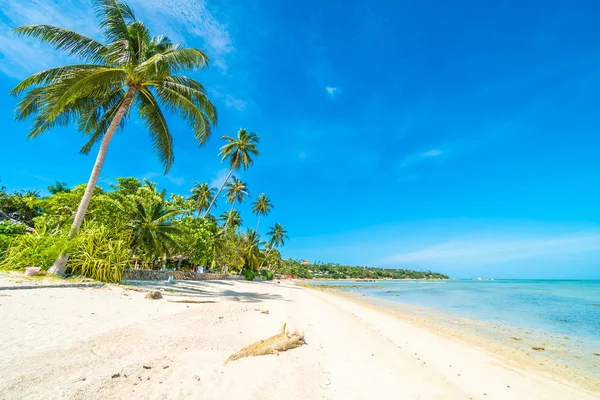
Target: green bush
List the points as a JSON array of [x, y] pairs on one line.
[[8, 228], [266, 274], [249, 274], [5, 242], [100, 253], [30, 250]]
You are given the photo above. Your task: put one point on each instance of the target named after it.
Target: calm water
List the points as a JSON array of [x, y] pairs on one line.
[[560, 307]]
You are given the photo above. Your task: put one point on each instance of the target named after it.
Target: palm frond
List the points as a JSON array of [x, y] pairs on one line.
[[71, 42], [178, 103], [172, 61], [150, 112]]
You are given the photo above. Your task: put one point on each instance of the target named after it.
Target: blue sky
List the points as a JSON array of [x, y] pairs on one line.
[[461, 136]]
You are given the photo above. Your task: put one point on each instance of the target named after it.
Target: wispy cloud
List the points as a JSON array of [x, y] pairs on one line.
[[332, 91], [422, 156], [20, 56], [38, 177], [432, 153], [218, 179], [482, 251], [180, 18]]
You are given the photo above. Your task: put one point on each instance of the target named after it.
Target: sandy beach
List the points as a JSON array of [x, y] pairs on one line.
[[111, 342]]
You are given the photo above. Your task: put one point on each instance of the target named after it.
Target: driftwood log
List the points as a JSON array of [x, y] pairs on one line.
[[274, 345]]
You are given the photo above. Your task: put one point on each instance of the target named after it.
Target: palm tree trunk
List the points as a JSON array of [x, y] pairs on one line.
[[257, 225], [219, 192], [59, 265]]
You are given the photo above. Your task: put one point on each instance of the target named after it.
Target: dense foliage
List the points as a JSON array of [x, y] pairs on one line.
[[132, 223], [300, 269]]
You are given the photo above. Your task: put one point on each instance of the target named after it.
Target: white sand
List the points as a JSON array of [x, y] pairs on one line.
[[67, 343]]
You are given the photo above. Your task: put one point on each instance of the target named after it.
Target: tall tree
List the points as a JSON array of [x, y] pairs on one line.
[[261, 207], [133, 69], [152, 227], [231, 218], [236, 191], [252, 243], [239, 152], [277, 236], [202, 195]]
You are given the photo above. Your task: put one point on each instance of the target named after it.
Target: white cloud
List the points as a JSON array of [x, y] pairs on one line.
[[227, 99], [19, 56], [332, 91], [179, 18], [478, 251], [432, 153], [218, 179], [235, 103], [420, 157]]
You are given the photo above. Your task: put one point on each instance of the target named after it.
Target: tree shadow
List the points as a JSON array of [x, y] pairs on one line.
[[205, 289]]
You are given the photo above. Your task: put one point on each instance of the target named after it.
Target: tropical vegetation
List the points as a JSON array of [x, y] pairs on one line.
[[99, 232]]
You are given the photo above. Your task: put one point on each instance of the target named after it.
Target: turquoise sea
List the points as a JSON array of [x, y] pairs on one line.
[[566, 310]]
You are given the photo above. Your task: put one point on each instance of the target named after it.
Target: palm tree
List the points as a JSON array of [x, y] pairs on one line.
[[152, 226], [232, 218], [277, 236], [236, 191], [251, 249], [132, 70], [261, 207], [202, 195], [239, 151]]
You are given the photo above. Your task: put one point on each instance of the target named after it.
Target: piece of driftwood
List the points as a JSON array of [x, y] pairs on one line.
[[274, 345]]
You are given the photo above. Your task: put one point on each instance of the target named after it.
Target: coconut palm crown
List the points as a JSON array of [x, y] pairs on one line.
[[261, 207], [131, 70], [202, 196], [238, 151]]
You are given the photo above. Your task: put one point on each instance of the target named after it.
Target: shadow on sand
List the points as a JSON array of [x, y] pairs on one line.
[[207, 289]]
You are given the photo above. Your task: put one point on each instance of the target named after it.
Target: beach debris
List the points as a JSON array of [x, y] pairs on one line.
[[597, 354], [516, 338], [154, 295], [274, 345], [115, 376], [538, 348], [265, 312], [147, 367], [165, 367]]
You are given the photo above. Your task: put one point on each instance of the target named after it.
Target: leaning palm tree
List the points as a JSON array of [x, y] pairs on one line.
[[239, 151], [152, 226], [277, 236], [236, 191], [261, 207], [232, 218], [202, 196], [132, 69]]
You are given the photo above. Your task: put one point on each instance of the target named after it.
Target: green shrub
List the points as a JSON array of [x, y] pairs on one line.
[[30, 250], [5, 242], [266, 274], [8, 228], [249, 274], [100, 253]]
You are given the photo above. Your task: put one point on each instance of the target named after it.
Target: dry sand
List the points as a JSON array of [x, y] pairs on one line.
[[112, 343]]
